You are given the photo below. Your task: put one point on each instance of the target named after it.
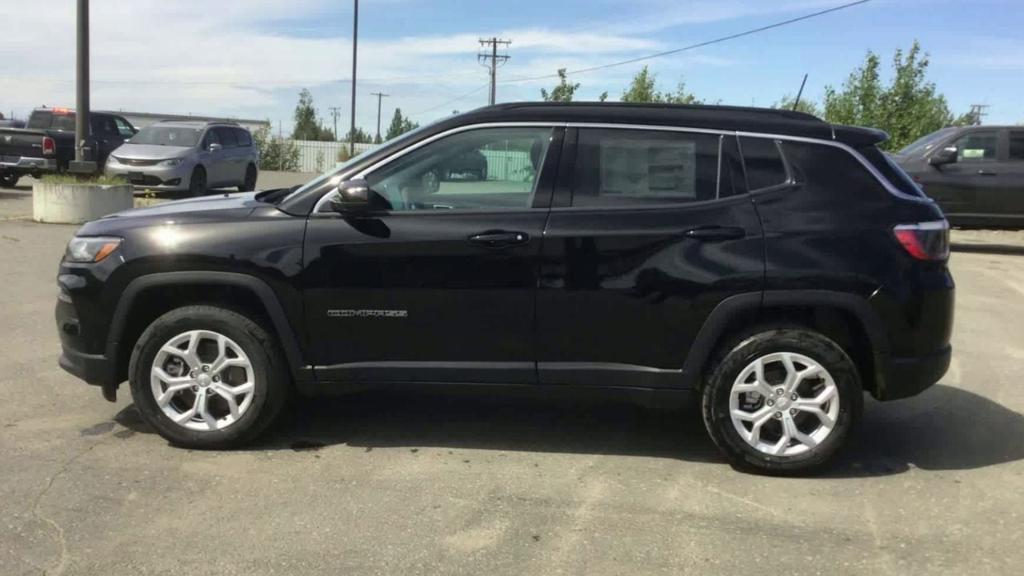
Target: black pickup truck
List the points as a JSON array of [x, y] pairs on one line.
[[47, 143]]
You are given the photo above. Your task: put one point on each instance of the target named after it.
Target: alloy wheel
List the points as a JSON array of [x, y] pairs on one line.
[[202, 380], [784, 404]]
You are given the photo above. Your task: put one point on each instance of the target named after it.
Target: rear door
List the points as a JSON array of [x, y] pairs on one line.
[[1010, 198], [441, 286], [213, 160], [650, 230]]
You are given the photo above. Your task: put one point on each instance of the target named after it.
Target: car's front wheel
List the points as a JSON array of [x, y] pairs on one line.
[[782, 400], [208, 377], [197, 182], [250, 179]]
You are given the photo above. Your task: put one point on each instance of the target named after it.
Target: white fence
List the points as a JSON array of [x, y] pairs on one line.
[[507, 165], [321, 156]]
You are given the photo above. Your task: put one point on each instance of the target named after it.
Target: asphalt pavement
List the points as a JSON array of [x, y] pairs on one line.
[[437, 484]]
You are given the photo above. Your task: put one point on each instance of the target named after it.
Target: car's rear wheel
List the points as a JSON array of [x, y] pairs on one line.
[[207, 377], [197, 182], [250, 179], [782, 401], [9, 179]]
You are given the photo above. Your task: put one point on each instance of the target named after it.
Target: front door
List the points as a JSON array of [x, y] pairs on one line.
[[650, 232], [963, 188], [441, 287]]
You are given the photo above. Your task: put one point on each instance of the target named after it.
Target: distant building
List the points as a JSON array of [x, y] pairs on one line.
[[143, 119]]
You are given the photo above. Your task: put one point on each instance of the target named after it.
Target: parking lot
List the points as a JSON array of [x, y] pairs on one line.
[[389, 484]]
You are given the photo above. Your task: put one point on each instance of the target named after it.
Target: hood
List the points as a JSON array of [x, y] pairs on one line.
[[243, 200], [150, 151]]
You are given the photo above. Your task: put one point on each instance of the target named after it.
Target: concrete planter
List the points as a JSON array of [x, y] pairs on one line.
[[78, 203]]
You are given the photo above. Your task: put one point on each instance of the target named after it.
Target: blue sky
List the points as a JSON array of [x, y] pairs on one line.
[[249, 58]]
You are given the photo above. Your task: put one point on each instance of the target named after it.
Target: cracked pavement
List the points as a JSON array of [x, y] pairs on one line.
[[428, 484]]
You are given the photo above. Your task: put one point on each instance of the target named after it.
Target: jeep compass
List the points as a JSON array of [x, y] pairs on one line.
[[774, 266]]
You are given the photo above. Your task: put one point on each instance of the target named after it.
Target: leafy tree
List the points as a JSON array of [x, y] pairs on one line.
[[603, 97], [806, 105], [908, 107], [307, 125], [275, 153], [564, 92], [643, 88], [360, 136], [399, 125]]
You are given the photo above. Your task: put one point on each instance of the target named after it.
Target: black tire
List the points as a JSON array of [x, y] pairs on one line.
[[250, 179], [270, 375], [197, 182], [9, 179], [735, 358]]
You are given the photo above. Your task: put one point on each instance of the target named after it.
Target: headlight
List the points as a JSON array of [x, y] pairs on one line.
[[171, 162], [90, 249]]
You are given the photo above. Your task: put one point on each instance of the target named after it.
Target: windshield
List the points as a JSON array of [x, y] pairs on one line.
[[168, 136], [925, 143]]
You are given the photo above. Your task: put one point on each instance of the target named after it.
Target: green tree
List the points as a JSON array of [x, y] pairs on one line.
[[564, 92], [643, 88], [307, 125], [908, 107], [399, 125], [275, 153], [360, 136], [806, 105]]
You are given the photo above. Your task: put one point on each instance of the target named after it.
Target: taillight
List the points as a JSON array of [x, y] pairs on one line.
[[924, 240], [49, 146]]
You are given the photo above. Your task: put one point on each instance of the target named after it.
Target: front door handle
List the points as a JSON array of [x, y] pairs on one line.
[[984, 172], [716, 233], [500, 238]]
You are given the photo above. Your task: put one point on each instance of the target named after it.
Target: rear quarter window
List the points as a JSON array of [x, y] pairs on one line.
[[891, 171], [830, 172]]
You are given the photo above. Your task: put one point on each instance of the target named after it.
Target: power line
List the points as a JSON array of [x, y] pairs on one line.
[[453, 100], [695, 46], [494, 58], [335, 112]]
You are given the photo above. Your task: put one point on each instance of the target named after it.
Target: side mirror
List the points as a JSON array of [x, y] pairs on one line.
[[944, 156], [356, 196], [213, 147]]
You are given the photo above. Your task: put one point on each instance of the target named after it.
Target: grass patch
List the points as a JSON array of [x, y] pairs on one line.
[[100, 180]]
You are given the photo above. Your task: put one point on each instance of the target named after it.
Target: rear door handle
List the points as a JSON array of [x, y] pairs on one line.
[[986, 173], [500, 238], [716, 233]]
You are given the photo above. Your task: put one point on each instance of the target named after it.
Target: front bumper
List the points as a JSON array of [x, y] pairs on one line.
[[171, 178], [26, 164], [909, 376]]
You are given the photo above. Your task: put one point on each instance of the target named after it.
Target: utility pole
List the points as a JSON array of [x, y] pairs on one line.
[[355, 44], [335, 112], [380, 96], [492, 59], [977, 113], [83, 155]]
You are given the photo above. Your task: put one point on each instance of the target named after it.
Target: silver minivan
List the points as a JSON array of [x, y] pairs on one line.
[[188, 156]]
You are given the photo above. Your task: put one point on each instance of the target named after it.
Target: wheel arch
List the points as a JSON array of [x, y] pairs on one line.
[[846, 318], [147, 297]]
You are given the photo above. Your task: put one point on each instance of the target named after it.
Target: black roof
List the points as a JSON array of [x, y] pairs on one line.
[[731, 118]]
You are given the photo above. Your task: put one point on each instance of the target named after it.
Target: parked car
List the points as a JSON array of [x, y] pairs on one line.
[[47, 143], [774, 265], [975, 173], [192, 156]]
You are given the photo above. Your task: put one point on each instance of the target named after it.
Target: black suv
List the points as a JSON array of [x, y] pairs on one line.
[[775, 265]]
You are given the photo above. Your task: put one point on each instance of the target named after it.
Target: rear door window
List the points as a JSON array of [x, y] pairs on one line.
[[243, 136], [1016, 146], [644, 167], [764, 164]]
